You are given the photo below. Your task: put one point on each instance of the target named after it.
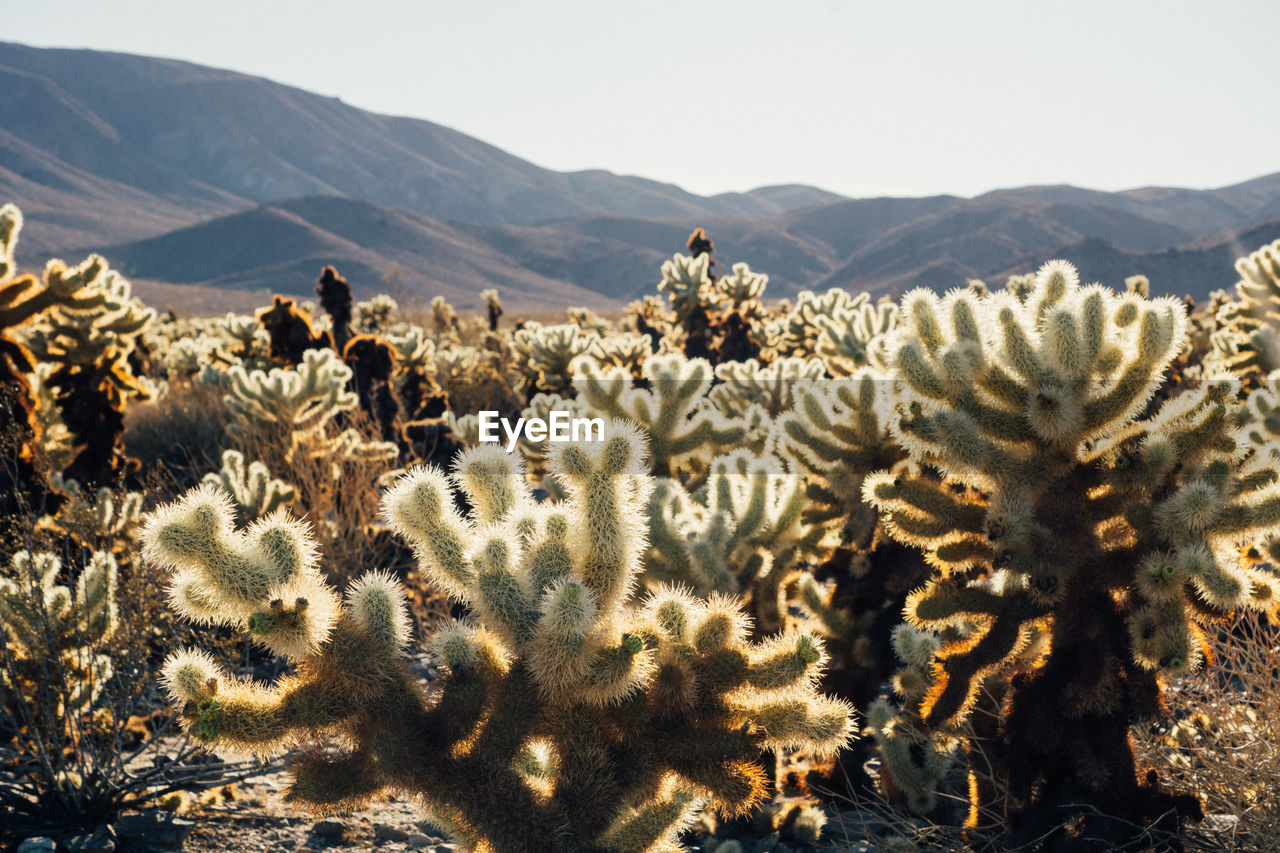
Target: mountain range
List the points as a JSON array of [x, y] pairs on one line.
[[211, 189]]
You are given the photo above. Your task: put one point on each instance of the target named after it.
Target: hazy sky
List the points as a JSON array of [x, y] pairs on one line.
[[864, 98]]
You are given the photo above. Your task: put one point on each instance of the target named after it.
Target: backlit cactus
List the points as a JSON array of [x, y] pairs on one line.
[[1120, 533], [797, 333], [335, 298], [567, 720], [97, 368], [682, 430], [741, 533], [856, 335], [293, 402], [913, 763], [291, 331], [252, 489], [1247, 338], [771, 386], [24, 484], [55, 635], [493, 307], [688, 283], [542, 355]]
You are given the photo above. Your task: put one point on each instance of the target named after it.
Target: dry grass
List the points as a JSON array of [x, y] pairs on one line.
[[1224, 743], [61, 769], [181, 434]]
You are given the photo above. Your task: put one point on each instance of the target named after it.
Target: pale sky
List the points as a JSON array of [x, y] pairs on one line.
[[863, 98]]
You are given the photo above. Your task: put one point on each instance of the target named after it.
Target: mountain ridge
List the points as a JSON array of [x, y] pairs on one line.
[[203, 180]]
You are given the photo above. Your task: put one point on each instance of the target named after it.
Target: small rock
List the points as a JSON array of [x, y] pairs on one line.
[[39, 844], [1220, 822], [154, 828], [386, 832], [417, 839], [329, 828], [102, 841]]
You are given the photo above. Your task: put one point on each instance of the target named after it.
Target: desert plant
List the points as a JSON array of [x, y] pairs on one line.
[[24, 485], [566, 720], [1116, 532], [771, 386], [493, 307], [542, 354], [856, 335], [253, 491], [335, 298], [1246, 340], [95, 370], [54, 640], [290, 331], [688, 282], [682, 429], [742, 533], [290, 403]]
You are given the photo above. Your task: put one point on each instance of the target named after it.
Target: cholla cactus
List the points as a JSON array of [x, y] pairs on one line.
[[742, 290], [443, 318], [742, 533], [838, 433], [913, 764], [650, 319], [1247, 339], [797, 334], [493, 306], [375, 316], [1260, 416], [254, 342], [291, 331], [536, 453], [373, 365], [589, 321], [542, 354], [683, 431], [187, 357], [856, 336], [96, 368], [24, 487], [335, 298], [771, 387], [295, 402], [687, 282], [104, 521], [55, 637], [253, 491], [565, 721], [627, 350], [1121, 535]]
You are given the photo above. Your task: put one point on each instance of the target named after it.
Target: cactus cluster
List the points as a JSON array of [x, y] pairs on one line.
[[55, 634], [568, 719], [97, 365], [1062, 488], [253, 491], [1119, 533]]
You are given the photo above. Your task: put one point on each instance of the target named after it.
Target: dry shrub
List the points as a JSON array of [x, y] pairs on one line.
[[183, 433], [68, 767], [338, 495], [1224, 743]]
